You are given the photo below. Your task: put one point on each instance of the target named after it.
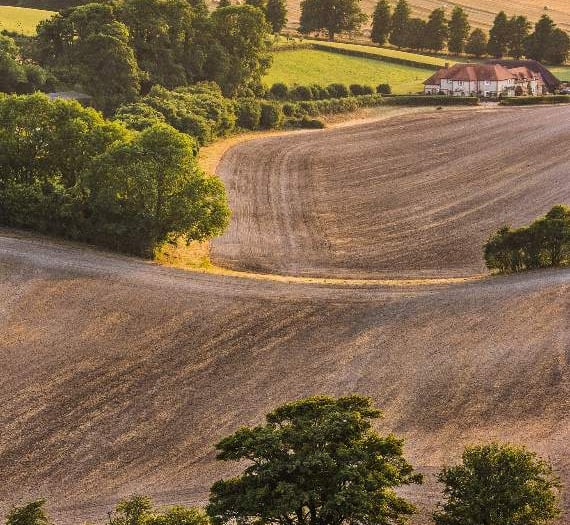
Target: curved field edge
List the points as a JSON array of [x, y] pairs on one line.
[[127, 373]]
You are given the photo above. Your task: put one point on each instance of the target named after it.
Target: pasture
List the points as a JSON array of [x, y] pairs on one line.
[[21, 19], [307, 66], [562, 72]]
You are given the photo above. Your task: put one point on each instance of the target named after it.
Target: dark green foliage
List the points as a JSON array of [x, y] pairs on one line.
[[535, 101], [358, 89], [276, 14], [65, 170], [315, 461], [300, 93], [381, 22], [384, 89], [138, 510], [436, 30], [248, 112], [32, 513], [338, 90], [430, 100], [279, 90], [18, 75], [400, 20], [544, 243], [498, 484], [271, 115], [332, 16], [518, 30], [499, 36], [477, 43], [200, 110], [138, 116], [319, 92], [458, 30], [548, 43], [417, 34]]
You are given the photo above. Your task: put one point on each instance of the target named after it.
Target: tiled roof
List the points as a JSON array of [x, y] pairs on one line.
[[471, 73]]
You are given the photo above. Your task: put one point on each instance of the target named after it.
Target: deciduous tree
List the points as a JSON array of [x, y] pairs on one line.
[[276, 14], [315, 461], [499, 485], [400, 24], [477, 43], [499, 36], [332, 16], [436, 30], [518, 30]]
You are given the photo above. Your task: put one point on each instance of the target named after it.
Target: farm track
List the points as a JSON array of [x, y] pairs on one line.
[[120, 375]]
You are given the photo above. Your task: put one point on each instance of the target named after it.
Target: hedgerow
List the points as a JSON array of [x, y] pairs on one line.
[[533, 101]]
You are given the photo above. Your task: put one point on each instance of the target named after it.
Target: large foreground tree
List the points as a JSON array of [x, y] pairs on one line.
[[332, 16], [315, 461], [498, 484]]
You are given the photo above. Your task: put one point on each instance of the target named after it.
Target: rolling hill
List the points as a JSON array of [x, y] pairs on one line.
[[21, 19], [120, 375]]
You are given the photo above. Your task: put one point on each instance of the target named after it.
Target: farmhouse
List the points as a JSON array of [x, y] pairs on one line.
[[485, 80]]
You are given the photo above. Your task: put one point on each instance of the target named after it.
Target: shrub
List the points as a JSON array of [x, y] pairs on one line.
[[358, 89], [337, 91], [138, 116], [290, 109], [311, 123], [301, 93], [431, 100], [248, 112], [31, 513], [271, 115], [384, 89], [532, 101], [279, 90], [319, 92]]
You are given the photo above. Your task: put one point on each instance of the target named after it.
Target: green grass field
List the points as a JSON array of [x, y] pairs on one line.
[[21, 19], [390, 53], [562, 72], [307, 66]]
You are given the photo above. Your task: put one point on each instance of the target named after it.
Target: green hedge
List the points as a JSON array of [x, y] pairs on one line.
[[430, 100], [374, 56], [535, 101]]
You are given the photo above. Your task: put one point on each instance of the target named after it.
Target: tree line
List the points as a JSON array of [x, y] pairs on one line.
[[318, 461], [512, 36], [508, 36]]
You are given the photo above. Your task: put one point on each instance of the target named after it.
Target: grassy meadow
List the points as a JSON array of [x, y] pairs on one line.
[[21, 19], [562, 72], [307, 66]]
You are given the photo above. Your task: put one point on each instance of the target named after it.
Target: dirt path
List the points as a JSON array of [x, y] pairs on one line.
[[412, 196]]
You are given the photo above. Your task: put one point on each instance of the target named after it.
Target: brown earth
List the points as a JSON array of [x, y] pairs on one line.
[[120, 375], [409, 196]]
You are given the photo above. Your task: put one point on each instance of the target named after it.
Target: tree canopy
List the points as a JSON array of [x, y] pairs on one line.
[[498, 484], [459, 28], [381, 22], [400, 24], [315, 461], [332, 16]]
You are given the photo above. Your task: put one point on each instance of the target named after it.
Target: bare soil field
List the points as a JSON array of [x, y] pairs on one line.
[[119, 375], [481, 12], [412, 196]]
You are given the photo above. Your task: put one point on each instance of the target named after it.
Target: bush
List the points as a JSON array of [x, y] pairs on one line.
[[271, 115], [279, 90], [319, 92], [544, 243], [358, 89], [384, 89], [301, 93], [431, 100], [138, 116], [248, 112], [311, 123], [31, 513], [337, 91]]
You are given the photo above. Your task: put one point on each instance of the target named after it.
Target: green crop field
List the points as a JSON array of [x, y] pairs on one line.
[[21, 19], [307, 66]]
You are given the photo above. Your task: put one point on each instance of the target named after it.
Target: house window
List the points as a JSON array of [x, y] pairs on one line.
[[487, 83]]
